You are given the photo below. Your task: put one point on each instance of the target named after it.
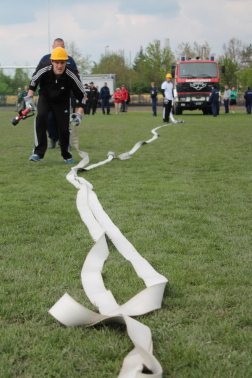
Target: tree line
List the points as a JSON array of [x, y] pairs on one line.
[[151, 64]]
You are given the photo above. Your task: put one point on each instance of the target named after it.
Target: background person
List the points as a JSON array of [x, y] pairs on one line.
[[19, 98], [56, 81], [167, 91], [92, 99], [127, 101], [117, 100], [98, 96], [52, 130], [153, 95], [124, 94], [233, 99], [226, 98], [214, 99], [248, 98], [104, 98], [23, 95]]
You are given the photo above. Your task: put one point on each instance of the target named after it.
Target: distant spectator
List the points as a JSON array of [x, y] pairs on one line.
[[19, 98], [128, 100], [214, 99], [117, 100], [104, 98], [23, 95], [92, 98], [248, 98], [98, 96], [153, 95], [124, 94], [226, 97], [233, 99], [86, 106]]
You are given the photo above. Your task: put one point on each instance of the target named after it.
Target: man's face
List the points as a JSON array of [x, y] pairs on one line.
[[105, 84], [123, 88], [226, 86], [168, 79], [233, 88], [59, 66], [58, 44], [25, 88], [92, 86]]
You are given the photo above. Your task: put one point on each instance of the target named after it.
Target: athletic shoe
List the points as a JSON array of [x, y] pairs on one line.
[[52, 144], [35, 158], [70, 161]]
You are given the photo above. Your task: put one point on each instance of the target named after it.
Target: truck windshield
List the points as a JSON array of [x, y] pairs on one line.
[[198, 70]]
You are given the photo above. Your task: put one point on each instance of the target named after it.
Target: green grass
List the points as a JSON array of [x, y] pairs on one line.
[[184, 201]]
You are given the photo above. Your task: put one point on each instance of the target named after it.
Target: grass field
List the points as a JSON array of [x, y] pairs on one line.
[[184, 201]]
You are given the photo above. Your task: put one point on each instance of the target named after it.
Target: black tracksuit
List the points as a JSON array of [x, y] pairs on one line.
[[55, 96]]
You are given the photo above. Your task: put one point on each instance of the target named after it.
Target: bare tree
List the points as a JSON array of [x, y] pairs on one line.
[[185, 49], [233, 49], [83, 62]]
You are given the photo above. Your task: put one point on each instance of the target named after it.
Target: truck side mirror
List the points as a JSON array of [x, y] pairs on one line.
[[173, 68], [223, 69]]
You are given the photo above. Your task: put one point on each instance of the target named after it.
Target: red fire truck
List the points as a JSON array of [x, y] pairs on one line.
[[193, 81]]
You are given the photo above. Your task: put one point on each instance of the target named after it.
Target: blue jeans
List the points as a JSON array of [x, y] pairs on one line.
[[105, 102], [214, 108], [248, 107], [226, 104], [154, 106]]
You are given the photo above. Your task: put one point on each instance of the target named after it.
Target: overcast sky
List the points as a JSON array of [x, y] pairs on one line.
[[120, 24]]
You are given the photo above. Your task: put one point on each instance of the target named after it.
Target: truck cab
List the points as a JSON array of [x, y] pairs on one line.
[[193, 81]]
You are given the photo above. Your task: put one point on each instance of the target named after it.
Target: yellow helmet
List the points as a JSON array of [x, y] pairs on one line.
[[169, 75], [59, 54]]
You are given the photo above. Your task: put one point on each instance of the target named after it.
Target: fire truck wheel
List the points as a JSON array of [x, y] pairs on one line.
[[177, 110]]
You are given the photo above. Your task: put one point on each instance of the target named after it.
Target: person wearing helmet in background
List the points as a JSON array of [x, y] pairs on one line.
[[167, 91], [56, 82]]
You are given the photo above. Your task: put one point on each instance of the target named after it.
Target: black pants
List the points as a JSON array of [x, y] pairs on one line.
[[61, 114], [93, 105], [166, 111]]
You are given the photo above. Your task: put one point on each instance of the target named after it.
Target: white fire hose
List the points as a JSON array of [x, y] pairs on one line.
[[71, 313]]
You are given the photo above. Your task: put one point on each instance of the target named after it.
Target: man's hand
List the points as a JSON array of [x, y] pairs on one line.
[[29, 103], [76, 118]]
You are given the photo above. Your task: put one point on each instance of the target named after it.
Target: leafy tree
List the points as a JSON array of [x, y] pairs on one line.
[[140, 86], [115, 63], [246, 56], [245, 77], [230, 77], [158, 62], [139, 60], [83, 62]]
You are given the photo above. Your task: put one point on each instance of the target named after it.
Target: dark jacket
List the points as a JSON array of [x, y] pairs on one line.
[[92, 94], [248, 96], [214, 96], [57, 89], [153, 93], [104, 93]]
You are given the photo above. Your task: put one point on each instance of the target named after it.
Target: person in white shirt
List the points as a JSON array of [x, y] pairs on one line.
[[167, 91]]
